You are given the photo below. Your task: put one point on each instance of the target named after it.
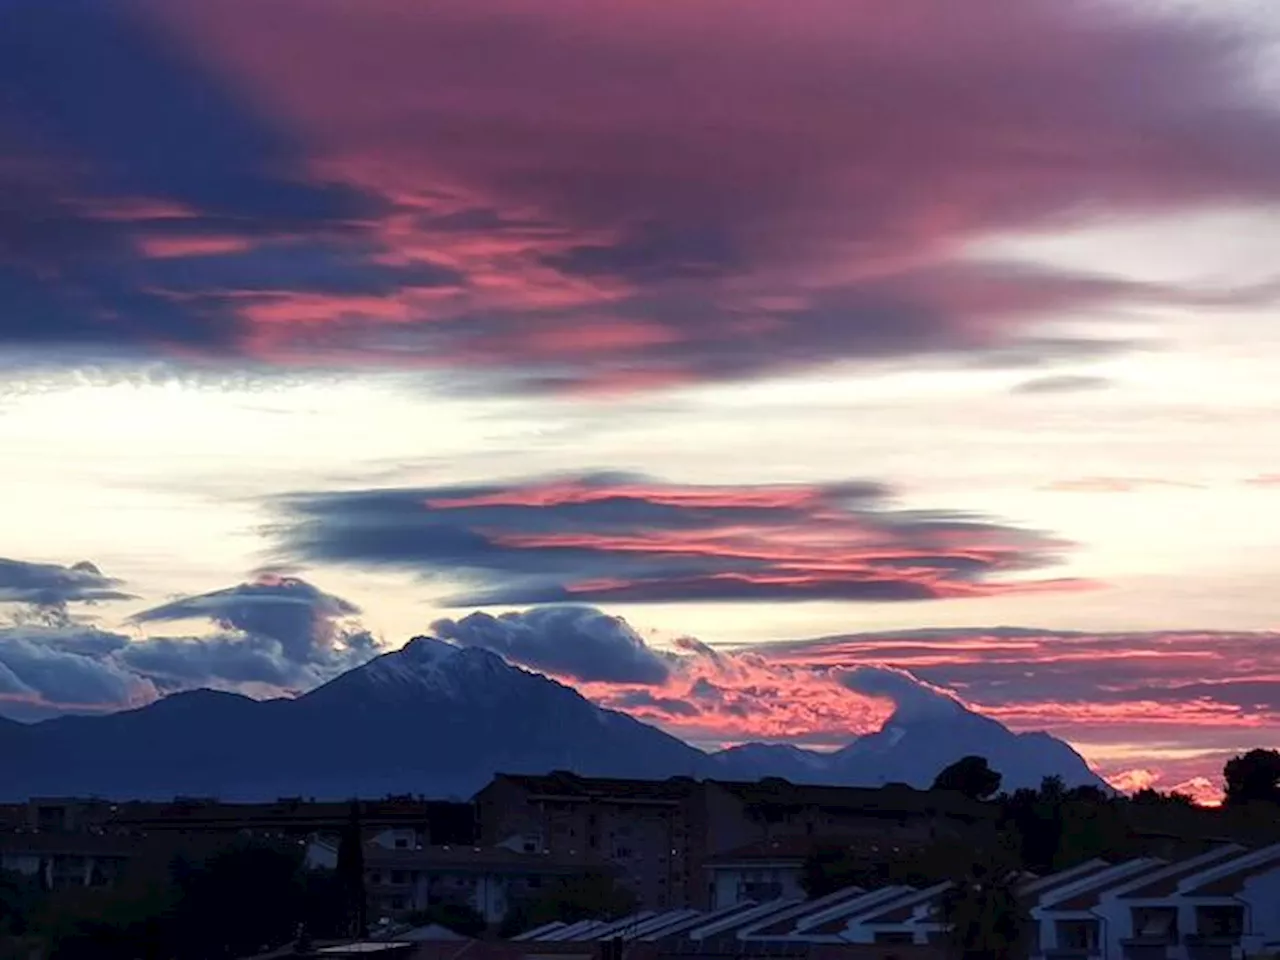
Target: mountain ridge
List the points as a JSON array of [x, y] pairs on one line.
[[441, 719]]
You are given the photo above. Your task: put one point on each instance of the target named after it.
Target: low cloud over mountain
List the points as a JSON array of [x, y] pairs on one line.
[[274, 635], [580, 643]]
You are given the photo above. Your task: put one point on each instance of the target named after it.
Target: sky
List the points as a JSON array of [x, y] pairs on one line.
[[692, 353]]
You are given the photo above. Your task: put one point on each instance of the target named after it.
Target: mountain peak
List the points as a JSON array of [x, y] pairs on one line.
[[915, 711]]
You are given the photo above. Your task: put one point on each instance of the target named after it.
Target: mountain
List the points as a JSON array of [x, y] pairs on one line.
[[912, 747], [437, 719]]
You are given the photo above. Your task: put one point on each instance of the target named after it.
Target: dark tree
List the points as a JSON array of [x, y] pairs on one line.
[[350, 872], [1147, 797], [1035, 818], [984, 916], [1252, 776], [830, 868], [242, 900], [971, 776], [18, 898], [585, 897]]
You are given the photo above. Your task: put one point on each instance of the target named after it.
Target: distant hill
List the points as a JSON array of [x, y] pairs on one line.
[[437, 719]]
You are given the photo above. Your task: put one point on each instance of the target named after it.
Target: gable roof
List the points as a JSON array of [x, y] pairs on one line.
[[1228, 879], [1083, 893], [1164, 882], [904, 909]]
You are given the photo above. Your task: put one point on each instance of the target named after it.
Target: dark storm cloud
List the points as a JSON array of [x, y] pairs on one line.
[[601, 538], [53, 585], [581, 643]]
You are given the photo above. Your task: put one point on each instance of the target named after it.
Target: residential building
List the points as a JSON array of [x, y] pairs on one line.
[[645, 828], [757, 872], [400, 879], [61, 860], [1219, 906], [662, 834]]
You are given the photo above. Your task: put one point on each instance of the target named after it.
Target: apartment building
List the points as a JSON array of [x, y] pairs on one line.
[[662, 834], [62, 860], [401, 878], [644, 828]]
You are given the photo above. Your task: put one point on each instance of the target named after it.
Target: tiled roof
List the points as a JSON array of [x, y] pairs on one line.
[[1042, 886], [870, 904], [1098, 882], [1233, 881], [903, 910], [785, 922], [1165, 882]]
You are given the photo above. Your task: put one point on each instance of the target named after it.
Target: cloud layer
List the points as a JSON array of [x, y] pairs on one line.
[[625, 539], [51, 585], [596, 196], [1163, 709], [273, 636], [578, 642]]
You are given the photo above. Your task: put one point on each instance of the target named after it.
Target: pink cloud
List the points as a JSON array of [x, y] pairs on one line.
[[640, 194]]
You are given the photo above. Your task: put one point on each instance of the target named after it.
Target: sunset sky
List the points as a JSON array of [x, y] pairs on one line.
[[708, 349]]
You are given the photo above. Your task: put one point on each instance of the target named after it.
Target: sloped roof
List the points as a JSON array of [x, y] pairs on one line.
[[1165, 882], [1084, 893], [1229, 879]]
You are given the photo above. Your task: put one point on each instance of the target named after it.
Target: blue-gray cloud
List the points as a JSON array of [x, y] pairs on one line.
[[625, 539], [300, 617], [156, 203], [276, 634], [54, 585], [570, 641]]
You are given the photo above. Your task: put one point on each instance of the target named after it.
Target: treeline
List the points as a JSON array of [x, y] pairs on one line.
[[234, 901], [1054, 827]]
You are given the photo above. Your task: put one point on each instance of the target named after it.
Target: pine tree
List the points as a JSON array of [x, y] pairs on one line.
[[350, 872]]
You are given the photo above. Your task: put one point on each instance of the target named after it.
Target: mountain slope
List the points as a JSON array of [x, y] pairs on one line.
[[913, 749], [437, 719], [429, 718]]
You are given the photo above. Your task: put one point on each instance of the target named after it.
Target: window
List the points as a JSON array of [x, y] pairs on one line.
[[1156, 923], [1223, 921], [1078, 935], [401, 843]]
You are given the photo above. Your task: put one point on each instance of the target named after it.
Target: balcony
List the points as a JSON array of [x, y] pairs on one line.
[[1212, 946], [1147, 948]]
